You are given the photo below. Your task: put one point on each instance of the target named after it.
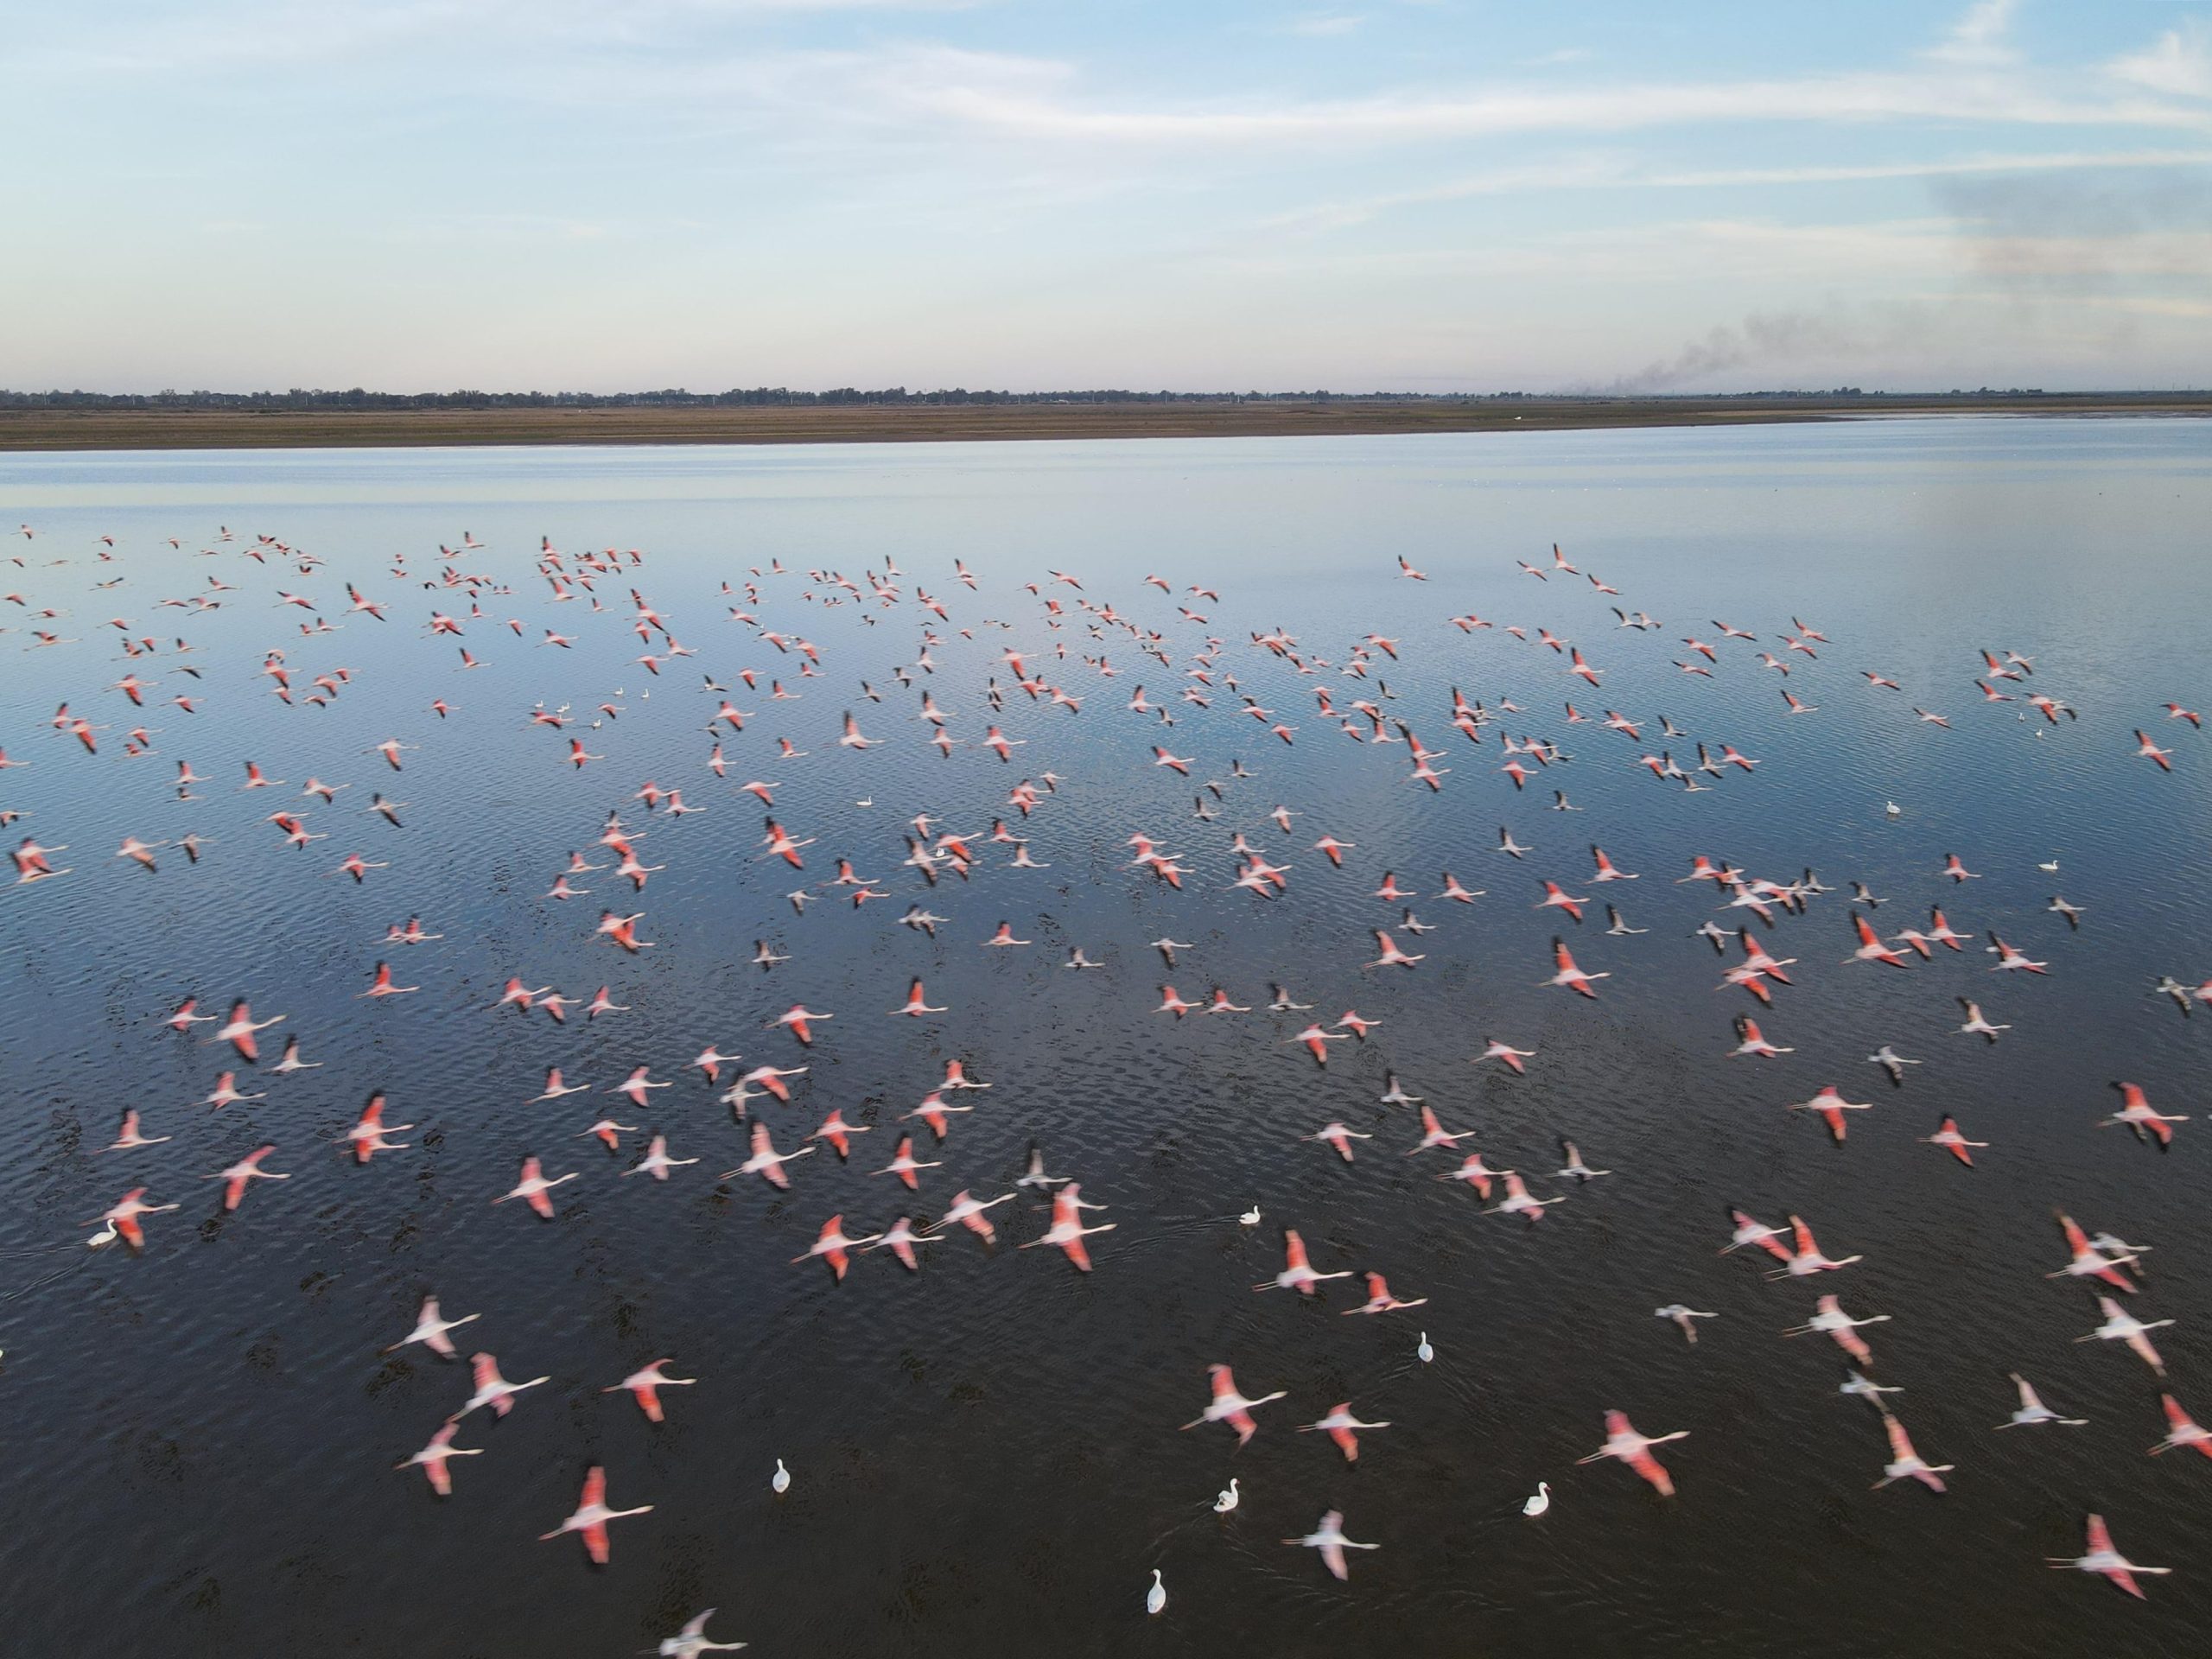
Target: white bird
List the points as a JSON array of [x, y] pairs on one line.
[[691, 1641], [1155, 1599], [2122, 1327], [1227, 1499], [780, 1482], [1682, 1314], [1422, 1352], [1905, 1463], [1329, 1538], [1891, 1062], [430, 1328], [1541, 1502], [2033, 1411], [1250, 1218], [1576, 1168], [1871, 1392]]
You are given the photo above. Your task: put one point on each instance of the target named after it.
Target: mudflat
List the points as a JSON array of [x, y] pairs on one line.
[[215, 427]]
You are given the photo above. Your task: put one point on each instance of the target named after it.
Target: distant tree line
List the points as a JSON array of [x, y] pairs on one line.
[[783, 396], [675, 398]]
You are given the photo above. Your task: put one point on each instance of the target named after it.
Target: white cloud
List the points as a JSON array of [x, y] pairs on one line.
[[261, 32], [1326, 25], [1616, 172], [1409, 116], [1979, 36], [2061, 162], [2179, 64]]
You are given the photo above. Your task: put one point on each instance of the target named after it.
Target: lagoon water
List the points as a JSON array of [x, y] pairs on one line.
[[985, 1455]]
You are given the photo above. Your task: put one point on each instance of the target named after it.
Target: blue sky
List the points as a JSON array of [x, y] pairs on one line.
[[1437, 195]]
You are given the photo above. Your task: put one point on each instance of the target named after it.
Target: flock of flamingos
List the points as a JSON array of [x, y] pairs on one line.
[[1096, 660]]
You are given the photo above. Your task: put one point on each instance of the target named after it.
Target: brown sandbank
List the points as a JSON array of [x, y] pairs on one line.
[[204, 427]]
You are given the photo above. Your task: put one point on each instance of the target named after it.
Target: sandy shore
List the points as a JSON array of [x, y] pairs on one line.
[[222, 428]]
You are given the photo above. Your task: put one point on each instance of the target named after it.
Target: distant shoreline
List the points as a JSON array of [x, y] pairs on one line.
[[67, 430]]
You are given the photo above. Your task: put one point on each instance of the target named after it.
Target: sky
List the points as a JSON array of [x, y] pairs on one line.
[[1426, 195]]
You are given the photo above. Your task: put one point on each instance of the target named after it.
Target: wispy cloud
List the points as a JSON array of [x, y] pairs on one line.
[[1981, 36], [1410, 117], [331, 31], [2178, 64], [2060, 162], [1622, 172]]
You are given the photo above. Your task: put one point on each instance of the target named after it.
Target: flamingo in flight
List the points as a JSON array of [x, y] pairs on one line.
[[1298, 1273], [1067, 1231], [1329, 1537], [591, 1516], [1228, 1406], [1633, 1449], [2107, 1562]]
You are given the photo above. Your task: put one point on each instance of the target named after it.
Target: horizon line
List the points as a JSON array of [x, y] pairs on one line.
[[359, 397]]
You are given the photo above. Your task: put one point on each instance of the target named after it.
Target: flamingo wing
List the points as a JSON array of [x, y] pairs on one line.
[[1332, 1550], [1649, 1467]]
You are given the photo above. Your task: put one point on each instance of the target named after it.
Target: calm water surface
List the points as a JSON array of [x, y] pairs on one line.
[[986, 1461]]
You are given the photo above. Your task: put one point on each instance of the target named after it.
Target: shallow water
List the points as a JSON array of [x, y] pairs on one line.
[[985, 1455]]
